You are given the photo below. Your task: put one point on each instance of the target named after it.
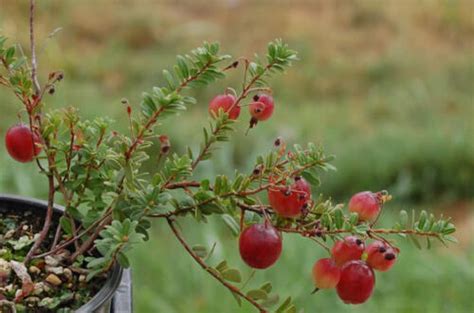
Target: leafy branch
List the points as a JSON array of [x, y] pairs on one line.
[[110, 200], [214, 273]]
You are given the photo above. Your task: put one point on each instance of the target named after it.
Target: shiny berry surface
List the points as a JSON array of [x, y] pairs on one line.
[[260, 245], [21, 143], [326, 273], [350, 248], [366, 204], [227, 104], [289, 201], [356, 283], [381, 256], [256, 110], [262, 107]]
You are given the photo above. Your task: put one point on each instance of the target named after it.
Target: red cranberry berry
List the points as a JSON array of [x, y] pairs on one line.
[[21, 143], [326, 273], [381, 256], [289, 201], [262, 107], [350, 248], [356, 283], [227, 104], [260, 245], [367, 204]]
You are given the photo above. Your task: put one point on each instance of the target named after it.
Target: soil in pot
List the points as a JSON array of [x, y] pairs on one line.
[[50, 283]]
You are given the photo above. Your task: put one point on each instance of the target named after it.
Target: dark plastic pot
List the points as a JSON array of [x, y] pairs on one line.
[[107, 299]]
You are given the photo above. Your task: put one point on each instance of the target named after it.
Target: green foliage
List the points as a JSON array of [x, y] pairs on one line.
[[441, 228], [279, 56], [99, 172], [199, 68], [16, 70], [116, 240]]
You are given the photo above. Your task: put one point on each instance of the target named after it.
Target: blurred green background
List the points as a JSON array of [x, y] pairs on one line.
[[387, 86]]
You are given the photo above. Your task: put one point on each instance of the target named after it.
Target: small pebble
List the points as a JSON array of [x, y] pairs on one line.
[[5, 267], [9, 234], [39, 288], [34, 270], [68, 274], [59, 270], [53, 280], [49, 260]]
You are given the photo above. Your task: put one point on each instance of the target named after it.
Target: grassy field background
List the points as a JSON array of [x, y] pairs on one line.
[[387, 86]]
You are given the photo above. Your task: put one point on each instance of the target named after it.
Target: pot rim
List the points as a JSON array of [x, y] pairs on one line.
[[112, 282]]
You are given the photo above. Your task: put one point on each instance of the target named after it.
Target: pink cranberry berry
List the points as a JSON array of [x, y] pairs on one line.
[[262, 107], [21, 143], [350, 248], [326, 273], [289, 201], [356, 283], [227, 104], [260, 245], [367, 204], [381, 256]]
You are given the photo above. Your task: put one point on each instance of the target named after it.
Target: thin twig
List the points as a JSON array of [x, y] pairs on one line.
[[34, 62], [47, 220], [235, 290]]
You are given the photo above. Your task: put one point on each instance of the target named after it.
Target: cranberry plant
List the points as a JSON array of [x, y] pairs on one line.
[[110, 199]]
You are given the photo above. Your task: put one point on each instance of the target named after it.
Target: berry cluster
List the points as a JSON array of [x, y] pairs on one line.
[[90, 164], [261, 108], [350, 267]]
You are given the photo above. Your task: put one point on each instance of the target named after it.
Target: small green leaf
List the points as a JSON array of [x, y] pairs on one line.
[[123, 260], [338, 218], [361, 229], [403, 218], [450, 238], [221, 266], [237, 298], [65, 225], [353, 218], [284, 306], [232, 274], [232, 224], [267, 287], [257, 294], [200, 250], [271, 301], [415, 241], [449, 229]]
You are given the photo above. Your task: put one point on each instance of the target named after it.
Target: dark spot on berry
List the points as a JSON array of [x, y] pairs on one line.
[[256, 97], [382, 249], [256, 171], [301, 197], [165, 149], [277, 142], [389, 256], [358, 242], [297, 178]]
